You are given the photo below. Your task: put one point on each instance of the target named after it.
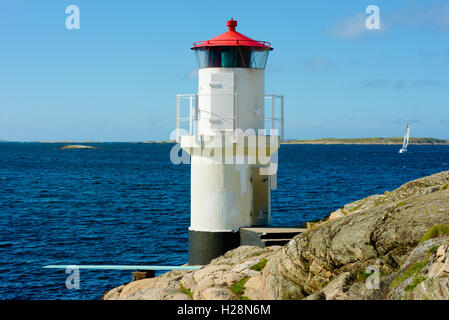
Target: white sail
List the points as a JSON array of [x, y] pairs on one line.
[[406, 139]]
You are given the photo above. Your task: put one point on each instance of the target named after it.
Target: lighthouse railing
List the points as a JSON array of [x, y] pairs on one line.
[[276, 118], [192, 117]]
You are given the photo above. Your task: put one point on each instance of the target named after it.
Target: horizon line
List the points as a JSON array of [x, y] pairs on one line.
[[173, 141]]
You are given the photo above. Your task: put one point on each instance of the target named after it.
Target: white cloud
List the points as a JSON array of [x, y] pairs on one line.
[[349, 27]]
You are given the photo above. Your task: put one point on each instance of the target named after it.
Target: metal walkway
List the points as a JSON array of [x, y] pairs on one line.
[[122, 267]]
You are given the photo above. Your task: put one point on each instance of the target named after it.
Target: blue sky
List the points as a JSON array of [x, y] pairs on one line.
[[116, 78]]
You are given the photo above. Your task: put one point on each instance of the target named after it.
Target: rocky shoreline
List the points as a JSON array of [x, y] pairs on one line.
[[390, 246]]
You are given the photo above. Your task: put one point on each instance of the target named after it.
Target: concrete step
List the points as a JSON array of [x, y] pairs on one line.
[[267, 236]]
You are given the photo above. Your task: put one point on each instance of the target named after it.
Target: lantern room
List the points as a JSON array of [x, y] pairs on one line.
[[232, 50], [231, 82]]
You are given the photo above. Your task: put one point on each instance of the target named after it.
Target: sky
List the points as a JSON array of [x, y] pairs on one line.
[[116, 78]]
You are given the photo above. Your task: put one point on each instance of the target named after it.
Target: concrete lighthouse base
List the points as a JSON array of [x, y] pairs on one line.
[[205, 246]]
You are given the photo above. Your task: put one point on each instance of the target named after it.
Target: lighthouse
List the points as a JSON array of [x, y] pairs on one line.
[[234, 132]]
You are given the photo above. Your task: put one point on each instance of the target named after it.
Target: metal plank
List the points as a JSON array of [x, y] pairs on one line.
[[121, 267]]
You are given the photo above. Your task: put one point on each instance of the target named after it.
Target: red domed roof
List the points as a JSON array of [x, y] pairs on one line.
[[231, 38]]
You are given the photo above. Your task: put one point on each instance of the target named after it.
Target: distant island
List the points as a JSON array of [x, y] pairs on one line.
[[160, 141], [393, 140], [68, 141], [77, 146]]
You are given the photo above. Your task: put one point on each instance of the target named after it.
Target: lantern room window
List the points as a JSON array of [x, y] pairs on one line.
[[231, 57]]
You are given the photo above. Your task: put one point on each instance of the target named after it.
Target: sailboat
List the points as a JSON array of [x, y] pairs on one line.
[[406, 138]]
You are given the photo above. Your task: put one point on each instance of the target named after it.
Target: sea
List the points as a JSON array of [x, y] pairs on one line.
[[128, 204]]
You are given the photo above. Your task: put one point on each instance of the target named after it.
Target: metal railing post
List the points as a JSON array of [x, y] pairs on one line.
[[282, 118], [191, 115], [177, 118], [234, 120], [195, 129], [273, 111]]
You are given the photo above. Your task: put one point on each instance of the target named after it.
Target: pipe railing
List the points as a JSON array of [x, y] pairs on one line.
[[194, 113]]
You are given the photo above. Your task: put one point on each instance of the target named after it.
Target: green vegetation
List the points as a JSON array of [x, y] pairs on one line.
[[257, 253], [430, 252], [444, 186], [314, 223], [362, 276], [239, 287], [260, 265], [186, 291], [311, 223], [400, 204], [415, 269], [415, 282], [392, 140], [433, 249], [325, 283], [379, 202], [437, 230], [411, 271], [387, 193]]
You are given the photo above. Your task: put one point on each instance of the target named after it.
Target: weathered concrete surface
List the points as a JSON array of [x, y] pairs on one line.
[[330, 260]]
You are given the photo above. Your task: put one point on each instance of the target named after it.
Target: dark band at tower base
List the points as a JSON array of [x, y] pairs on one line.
[[205, 246]]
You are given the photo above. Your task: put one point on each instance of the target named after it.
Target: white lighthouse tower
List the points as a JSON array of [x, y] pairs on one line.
[[232, 153]]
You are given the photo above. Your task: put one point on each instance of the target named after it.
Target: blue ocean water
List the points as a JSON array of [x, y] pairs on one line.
[[126, 203]]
